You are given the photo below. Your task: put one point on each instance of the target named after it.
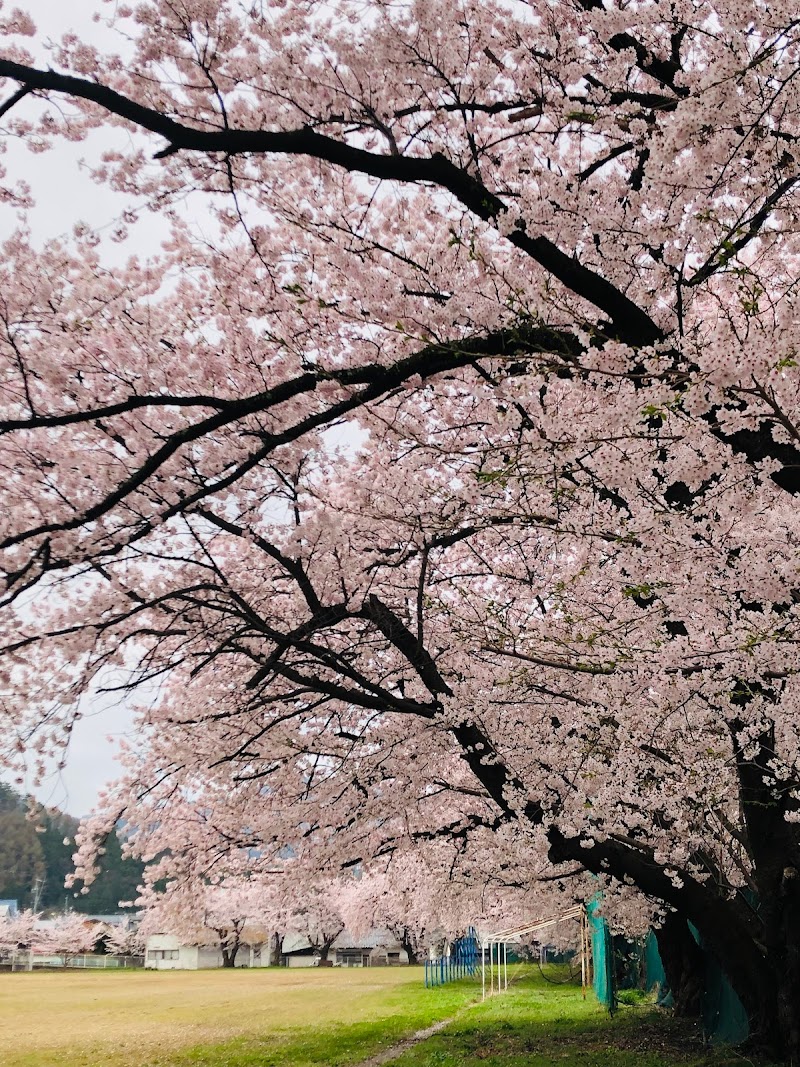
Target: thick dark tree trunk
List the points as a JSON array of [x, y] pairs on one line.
[[756, 939], [276, 949], [763, 969], [229, 956], [731, 931], [407, 944], [789, 977], [777, 1023], [683, 965], [775, 853]]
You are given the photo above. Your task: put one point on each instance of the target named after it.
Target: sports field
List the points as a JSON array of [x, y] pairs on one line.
[[276, 1016], [286, 1018]]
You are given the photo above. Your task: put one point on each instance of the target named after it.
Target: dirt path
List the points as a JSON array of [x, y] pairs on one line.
[[397, 1050]]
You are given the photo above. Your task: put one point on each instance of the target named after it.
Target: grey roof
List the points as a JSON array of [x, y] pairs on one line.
[[298, 946], [371, 939], [117, 919]]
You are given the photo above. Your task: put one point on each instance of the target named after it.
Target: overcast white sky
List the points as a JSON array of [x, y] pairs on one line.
[[65, 195]]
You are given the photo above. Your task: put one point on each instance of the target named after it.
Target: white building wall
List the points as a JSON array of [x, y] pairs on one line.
[[209, 957], [164, 952], [256, 955]]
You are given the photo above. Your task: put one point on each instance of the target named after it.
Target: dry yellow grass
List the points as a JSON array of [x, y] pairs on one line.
[[124, 1019]]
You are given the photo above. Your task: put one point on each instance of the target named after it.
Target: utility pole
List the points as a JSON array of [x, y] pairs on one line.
[[36, 893]]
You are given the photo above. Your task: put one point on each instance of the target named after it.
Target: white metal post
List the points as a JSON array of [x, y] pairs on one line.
[[505, 963]]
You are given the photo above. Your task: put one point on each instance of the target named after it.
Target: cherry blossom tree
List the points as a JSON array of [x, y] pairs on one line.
[[399, 900], [539, 598], [422, 899], [316, 913], [227, 915], [68, 934], [124, 939], [18, 933]]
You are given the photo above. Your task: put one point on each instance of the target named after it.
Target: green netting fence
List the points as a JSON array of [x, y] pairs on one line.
[[724, 1017], [654, 976], [622, 964], [602, 956]]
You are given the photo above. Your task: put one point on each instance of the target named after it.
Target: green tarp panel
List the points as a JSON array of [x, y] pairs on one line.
[[602, 956], [654, 977]]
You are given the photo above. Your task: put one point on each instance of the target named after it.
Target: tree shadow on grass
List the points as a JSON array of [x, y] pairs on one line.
[[639, 1037]]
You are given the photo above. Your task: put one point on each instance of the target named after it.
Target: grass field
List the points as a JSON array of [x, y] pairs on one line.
[[278, 1018], [536, 1024], [269, 1017]]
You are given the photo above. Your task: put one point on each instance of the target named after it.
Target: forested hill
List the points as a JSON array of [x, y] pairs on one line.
[[42, 848]]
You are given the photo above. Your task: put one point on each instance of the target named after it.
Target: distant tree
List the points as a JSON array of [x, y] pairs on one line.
[[119, 880], [125, 939], [21, 857], [38, 842], [318, 915], [404, 898], [10, 799], [225, 916], [69, 935], [17, 933], [56, 837]]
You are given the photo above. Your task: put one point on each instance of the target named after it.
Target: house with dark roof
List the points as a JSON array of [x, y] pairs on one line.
[[376, 948]]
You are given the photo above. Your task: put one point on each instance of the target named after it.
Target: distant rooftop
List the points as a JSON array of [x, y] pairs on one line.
[[369, 940], [119, 918]]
